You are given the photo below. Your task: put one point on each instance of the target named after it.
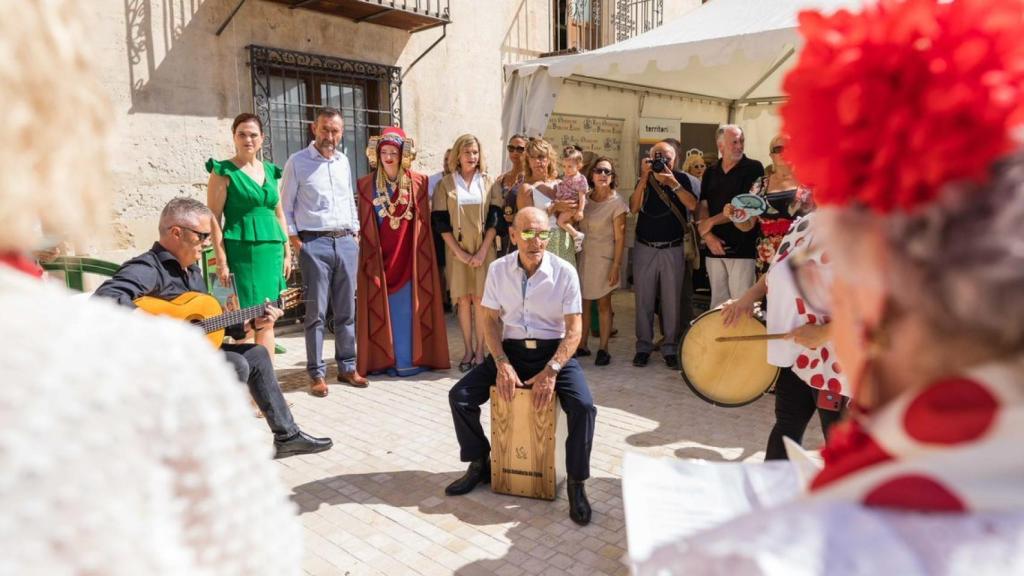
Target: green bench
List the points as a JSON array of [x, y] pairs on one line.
[[75, 268]]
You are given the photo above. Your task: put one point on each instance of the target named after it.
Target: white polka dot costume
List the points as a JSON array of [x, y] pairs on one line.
[[818, 367]]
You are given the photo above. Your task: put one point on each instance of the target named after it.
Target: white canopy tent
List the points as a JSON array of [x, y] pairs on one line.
[[730, 53]]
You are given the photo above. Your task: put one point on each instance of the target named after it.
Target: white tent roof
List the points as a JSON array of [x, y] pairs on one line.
[[729, 49]]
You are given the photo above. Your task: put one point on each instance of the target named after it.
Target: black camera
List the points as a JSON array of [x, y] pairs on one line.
[[659, 163]]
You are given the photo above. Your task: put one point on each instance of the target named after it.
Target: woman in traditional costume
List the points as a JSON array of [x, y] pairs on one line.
[[400, 325]]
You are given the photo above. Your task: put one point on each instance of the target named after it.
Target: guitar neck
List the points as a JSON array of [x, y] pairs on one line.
[[214, 323]]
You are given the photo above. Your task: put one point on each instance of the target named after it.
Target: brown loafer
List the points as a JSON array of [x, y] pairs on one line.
[[318, 387], [353, 379]]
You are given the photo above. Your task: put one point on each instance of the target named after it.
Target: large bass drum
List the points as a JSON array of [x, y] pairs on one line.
[[727, 374]]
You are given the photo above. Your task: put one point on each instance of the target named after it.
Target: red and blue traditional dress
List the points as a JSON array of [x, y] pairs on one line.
[[400, 326]]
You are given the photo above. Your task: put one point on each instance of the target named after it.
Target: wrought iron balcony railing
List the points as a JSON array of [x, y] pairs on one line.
[[409, 15]]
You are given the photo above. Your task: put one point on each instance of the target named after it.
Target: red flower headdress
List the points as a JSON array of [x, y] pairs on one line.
[[887, 105]]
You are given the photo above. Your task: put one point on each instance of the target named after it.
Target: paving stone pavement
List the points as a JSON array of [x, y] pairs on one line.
[[375, 503]]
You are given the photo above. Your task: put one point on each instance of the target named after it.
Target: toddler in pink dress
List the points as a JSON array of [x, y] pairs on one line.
[[572, 188]]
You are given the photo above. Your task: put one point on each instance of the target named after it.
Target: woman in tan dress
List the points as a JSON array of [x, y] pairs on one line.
[[466, 220], [604, 227]]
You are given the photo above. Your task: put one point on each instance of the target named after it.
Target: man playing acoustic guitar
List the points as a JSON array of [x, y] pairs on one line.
[[170, 269]]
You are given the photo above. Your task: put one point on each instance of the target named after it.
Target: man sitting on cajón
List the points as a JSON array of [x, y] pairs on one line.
[[533, 312], [170, 269]]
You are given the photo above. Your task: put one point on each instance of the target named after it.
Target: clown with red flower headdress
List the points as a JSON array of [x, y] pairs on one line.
[[400, 325], [926, 298]]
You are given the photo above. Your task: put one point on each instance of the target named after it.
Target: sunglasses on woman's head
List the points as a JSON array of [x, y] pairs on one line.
[[519, 149], [531, 234], [605, 171], [777, 149]]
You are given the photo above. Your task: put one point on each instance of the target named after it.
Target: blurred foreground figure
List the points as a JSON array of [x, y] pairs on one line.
[[926, 298], [126, 445]]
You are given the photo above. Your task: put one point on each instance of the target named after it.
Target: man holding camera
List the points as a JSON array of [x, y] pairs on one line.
[[661, 201]]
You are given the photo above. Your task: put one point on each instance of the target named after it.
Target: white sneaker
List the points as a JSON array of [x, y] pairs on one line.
[[578, 241]]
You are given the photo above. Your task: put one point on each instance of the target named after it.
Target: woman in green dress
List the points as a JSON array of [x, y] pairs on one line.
[[252, 242]]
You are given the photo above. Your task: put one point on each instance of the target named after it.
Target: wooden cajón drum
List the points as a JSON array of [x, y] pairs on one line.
[[526, 459], [726, 374]]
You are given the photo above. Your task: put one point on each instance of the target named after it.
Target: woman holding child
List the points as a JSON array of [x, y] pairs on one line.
[[540, 189]]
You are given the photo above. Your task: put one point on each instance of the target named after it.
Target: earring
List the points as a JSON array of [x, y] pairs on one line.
[[874, 340]]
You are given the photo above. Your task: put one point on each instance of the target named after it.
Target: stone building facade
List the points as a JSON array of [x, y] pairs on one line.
[[176, 83]]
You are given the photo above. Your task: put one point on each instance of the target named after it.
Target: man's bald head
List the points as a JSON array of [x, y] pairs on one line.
[[667, 150], [529, 217]]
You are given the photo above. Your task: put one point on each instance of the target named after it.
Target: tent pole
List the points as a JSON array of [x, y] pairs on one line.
[[735, 104], [770, 71]]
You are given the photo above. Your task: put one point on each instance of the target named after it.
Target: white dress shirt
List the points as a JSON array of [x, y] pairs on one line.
[[317, 192], [533, 307]]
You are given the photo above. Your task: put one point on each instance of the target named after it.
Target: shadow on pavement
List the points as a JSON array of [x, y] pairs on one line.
[[540, 534]]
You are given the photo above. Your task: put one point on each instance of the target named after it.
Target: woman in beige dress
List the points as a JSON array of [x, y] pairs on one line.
[[604, 227], [466, 220]]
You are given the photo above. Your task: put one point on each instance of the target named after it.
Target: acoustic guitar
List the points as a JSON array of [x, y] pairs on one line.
[[205, 312]]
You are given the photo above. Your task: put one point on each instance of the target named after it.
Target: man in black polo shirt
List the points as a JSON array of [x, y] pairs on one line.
[[731, 262], [661, 201]]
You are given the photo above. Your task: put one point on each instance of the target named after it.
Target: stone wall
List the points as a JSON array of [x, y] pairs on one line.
[[175, 86]]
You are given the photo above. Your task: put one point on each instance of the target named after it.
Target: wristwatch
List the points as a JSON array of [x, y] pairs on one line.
[[555, 366]]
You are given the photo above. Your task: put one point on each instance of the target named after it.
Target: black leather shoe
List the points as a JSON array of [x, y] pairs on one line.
[[641, 359], [672, 361], [579, 506], [478, 471], [603, 358], [301, 443]]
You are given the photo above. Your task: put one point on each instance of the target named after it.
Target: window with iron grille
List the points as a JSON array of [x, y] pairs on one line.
[[581, 25], [290, 87]]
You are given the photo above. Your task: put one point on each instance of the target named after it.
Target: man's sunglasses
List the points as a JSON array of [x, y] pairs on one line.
[[531, 234], [201, 235], [777, 149], [519, 149], [605, 171]]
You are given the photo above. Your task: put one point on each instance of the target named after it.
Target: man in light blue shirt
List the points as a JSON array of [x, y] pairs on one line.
[[323, 227]]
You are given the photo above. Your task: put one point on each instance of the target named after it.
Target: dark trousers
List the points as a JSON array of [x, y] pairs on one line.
[[474, 389], [795, 403], [253, 366]]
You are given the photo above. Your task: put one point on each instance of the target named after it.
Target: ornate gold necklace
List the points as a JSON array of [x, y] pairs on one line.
[[394, 211]]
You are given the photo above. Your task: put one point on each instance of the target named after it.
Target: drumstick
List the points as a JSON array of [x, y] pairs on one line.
[[752, 337]]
